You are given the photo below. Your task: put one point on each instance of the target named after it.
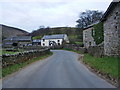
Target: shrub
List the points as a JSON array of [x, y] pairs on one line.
[[98, 33]]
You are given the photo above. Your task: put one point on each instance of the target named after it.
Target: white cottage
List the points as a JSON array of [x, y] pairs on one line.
[[52, 40]]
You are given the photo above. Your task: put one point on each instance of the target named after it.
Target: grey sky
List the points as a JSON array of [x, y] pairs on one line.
[[30, 14]]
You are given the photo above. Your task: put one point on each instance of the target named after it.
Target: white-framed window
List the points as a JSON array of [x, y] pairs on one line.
[[43, 44]]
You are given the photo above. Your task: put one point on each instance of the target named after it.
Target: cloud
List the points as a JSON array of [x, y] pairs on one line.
[[31, 14]]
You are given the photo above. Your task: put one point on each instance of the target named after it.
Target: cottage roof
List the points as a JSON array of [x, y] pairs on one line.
[[57, 36], [37, 40], [111, 6], [89, 26], [19, 38]]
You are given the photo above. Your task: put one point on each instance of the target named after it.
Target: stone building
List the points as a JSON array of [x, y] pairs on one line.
[[88, 40], [111, 21], [18, 41]]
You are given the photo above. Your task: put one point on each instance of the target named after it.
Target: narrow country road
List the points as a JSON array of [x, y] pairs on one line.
[[61, 70]]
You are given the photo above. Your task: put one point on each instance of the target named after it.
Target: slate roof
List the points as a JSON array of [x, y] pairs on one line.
[[111, 6], [57, 36], [20, 38], [89, 26], [36, 40]]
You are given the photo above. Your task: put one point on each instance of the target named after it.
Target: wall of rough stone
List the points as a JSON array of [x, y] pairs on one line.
[[88, 40], [32, 47], [76, 47], [97, 51], [112, 33], [23, 56]]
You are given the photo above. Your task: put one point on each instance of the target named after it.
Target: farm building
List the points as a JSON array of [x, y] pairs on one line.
[[111, 21], [18, 41], [53, 40]]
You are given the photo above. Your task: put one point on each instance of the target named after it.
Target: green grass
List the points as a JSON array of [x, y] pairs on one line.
[[107, 65], [72, 50], [79, 43], [10, 52], [10, 69], [37, 37]]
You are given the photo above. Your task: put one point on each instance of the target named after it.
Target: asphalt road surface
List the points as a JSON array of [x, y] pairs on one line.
[[61, 70]]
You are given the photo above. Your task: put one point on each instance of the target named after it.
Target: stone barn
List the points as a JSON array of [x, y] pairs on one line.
[[88, 39], [111, 21], [18, 41]]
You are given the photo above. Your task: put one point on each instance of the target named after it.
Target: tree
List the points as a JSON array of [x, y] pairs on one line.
[[88, 17], [41, 27]]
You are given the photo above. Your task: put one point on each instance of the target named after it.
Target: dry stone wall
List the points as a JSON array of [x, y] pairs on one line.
[[21, 57], [76, 47]]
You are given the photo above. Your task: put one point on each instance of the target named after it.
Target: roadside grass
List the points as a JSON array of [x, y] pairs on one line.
[[106, 65], [79, 43], [13, 68], [71, 50]]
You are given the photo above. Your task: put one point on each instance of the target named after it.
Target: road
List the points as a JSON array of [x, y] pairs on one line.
[[61, 70]]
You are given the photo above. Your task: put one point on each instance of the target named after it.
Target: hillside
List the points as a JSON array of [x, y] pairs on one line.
[[8, 31], [74, 34]]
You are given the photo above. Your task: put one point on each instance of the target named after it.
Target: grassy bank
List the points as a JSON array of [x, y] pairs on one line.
[[72, 50], [16, 67], [106, 65]]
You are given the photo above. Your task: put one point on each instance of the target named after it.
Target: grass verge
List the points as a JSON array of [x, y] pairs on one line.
[[10, 69], [106, 65], [72, 50]]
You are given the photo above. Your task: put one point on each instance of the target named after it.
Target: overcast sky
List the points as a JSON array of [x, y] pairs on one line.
[[30, 14]]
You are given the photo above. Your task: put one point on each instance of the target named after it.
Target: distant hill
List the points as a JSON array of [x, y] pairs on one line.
[[8, 31], [74, 34]]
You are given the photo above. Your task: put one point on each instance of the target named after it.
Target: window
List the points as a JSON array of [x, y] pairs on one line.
[[90, 43], [58, 40], [115, 27], [43, 40], [58, 43], [116, 13], [115, 17], [85, 35], [43, 44]]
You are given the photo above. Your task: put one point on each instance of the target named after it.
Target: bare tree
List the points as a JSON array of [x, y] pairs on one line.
[[88, 17]]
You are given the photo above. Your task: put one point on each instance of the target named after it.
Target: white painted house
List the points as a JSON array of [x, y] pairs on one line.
[[52, 40]]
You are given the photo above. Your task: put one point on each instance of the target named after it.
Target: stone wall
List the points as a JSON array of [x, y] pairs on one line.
[[97, 51], [32, 47], [23, 56], [76, 47], [88, 40], [112, 32]]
